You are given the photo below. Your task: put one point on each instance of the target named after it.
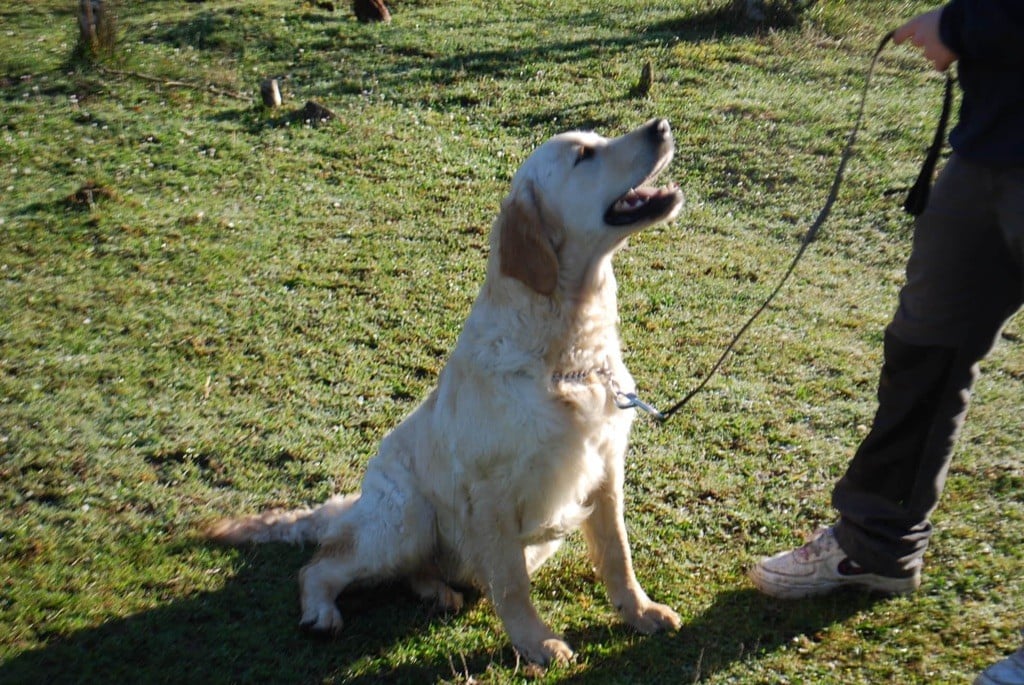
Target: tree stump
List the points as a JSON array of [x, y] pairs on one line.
[[97, 31], [371, 10]]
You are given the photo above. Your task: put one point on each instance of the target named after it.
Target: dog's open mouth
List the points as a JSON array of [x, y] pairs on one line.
[[643, 203]]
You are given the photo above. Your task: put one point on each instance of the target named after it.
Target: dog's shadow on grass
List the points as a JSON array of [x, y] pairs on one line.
[[247, 632]]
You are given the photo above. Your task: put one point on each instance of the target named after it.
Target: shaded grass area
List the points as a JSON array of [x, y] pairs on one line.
[[210, 308]]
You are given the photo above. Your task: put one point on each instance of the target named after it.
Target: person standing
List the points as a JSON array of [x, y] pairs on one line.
[[964, 281]]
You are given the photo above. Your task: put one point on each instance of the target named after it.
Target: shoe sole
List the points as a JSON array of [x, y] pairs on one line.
[[788, 588]]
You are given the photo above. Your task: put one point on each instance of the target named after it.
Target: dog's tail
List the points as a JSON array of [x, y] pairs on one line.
[[296, 526]]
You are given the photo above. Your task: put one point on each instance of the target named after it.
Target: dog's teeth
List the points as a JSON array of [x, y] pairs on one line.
[[630, 200]]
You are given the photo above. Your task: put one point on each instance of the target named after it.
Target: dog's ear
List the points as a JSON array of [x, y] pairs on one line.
[[525, 249]]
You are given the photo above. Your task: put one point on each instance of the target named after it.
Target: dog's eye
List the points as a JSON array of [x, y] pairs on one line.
[[583, 153]]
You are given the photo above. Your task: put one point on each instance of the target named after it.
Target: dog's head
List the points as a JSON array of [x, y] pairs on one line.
[[578, 197]]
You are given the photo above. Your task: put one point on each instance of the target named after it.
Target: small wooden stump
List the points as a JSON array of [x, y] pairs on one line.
[[643, 87], [270, 91]]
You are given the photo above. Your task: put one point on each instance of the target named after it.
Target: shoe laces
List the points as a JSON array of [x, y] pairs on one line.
[[821, 543]]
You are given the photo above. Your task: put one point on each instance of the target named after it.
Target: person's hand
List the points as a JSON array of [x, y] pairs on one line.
[[923, 31]]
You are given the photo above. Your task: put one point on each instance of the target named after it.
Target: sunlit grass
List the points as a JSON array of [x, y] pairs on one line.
[[208, 308]]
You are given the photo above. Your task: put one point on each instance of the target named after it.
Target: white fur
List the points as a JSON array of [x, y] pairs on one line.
[[520, 442]]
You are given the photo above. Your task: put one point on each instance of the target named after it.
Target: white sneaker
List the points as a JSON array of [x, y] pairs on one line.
[[820, 567], [1009, 671]]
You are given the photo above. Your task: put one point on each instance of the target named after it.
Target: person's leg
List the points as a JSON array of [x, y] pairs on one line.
[[897, 474], [1009, 671], [963, 283]]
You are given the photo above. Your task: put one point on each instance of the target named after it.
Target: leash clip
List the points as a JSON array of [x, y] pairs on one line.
[[629, 400]]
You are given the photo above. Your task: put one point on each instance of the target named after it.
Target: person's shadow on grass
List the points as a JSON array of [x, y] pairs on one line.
[[740, 625]]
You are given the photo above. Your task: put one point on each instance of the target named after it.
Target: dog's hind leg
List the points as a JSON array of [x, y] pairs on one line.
[[386, 534], [334, 567], [429, 586]]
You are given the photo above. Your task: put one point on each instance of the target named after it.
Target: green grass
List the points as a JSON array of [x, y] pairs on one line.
[[242, 305]]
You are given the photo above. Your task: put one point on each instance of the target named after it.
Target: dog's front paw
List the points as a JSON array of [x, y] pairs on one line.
[[651, 617], [324, 618], [550, 651]]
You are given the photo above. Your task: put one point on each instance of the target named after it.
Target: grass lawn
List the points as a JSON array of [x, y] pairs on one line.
[[209, 308]]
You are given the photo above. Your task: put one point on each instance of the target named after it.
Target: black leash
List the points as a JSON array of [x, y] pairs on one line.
[[914, 204]]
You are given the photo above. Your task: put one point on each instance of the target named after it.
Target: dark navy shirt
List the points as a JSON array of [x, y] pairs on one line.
[[988, 38]]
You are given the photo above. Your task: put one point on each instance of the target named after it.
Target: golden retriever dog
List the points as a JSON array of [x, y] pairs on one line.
[[522, 441]]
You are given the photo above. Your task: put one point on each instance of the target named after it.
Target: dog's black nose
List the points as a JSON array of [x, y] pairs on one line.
[[659, 130]]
